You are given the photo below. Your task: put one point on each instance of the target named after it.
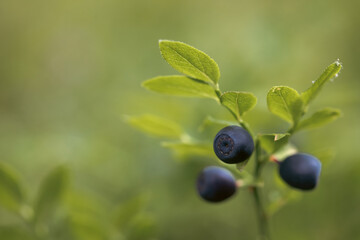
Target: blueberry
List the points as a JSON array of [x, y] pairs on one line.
[[233, 144], [215, 184], [300, 171]]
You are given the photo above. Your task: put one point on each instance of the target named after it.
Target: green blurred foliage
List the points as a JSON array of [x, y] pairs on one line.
[[69, 71]]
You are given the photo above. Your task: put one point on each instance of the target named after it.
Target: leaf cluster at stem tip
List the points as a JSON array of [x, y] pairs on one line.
[[200, 78]]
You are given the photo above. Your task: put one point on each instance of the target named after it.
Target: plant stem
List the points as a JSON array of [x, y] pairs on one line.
[[260, 211]]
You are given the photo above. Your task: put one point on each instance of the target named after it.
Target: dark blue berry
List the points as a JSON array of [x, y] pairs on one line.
[[300, 171], [215, 184], [233, 144]]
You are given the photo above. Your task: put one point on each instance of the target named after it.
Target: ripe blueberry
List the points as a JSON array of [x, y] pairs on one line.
[[216, 184], [233, 144], [300, 171]]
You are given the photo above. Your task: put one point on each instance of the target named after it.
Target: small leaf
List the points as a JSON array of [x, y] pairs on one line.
[[15, 232], [286, 103], [273, 142], [143, 227], [190, 61], [281, 199], [319, 118], [324, 155], [240, 166], [86, 228], [210, 120], [128, 210], [156, 126], [285, 151], [238, 102], [182, 149], [51, 191], [11, 191], [330, 72], [180, 86]]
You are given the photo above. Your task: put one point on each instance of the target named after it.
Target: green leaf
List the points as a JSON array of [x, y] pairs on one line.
[[15, 232], [273, 142], [319, 118], [285, 151], [210, 120], [286, 103], [182, 149], [143, 227], [156, 126], [325, 155], [87, 228], [50, 193], [190, 61], [238, 102], [180, 86], [278, 199], [128, 210], [330, 72], [11, 191], [240, 166]]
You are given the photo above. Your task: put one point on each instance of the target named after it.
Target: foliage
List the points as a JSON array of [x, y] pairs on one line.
[[60, 213], [201, 79]]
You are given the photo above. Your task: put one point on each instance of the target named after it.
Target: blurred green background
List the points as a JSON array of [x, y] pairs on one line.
[[69, 71]]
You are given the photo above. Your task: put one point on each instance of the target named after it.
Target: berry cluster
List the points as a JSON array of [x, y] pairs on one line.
[[234, 144]]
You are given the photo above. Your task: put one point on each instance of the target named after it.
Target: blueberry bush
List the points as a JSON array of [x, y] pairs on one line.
[[237, 143]]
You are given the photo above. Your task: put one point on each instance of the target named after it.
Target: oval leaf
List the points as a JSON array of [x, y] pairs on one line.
[[240, 166], [330, 72], [15, 232], [319, 118], [238, 102], [209, 120], [51, 191], [156, 126], [182, 149], [286, 103], [190, 61], [273, 142], [11, 192], [180, 86]]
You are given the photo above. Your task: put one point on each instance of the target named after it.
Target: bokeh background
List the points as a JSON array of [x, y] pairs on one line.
[[70, 70]]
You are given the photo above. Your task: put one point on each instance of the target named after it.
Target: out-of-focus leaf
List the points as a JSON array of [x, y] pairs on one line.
[[210, 120], [286, 103], [285, 152], [324, 155], [143, 227], [14, 233], [87, 228], [128, 210], [280, 199], [190, 61], [180, 86], [238, 102], [330, 72], [50, 193], [278, 180], [88, 217], [11, 191], [273, 142], [156, 126], [190, 149], [319, 118], [242, 165]]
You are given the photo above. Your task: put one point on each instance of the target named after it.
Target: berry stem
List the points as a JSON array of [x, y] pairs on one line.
[[261, 213], [274, 159]]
